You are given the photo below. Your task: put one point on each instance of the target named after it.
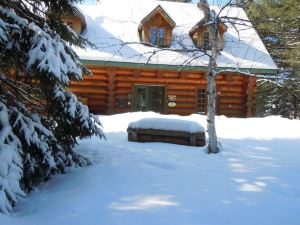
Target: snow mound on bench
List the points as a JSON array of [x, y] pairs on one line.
[[168, 124]]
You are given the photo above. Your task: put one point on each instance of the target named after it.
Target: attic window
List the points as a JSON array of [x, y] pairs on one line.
[[161, 36], [157, 36], [202, 37], [206, 40], [156, 28], [153, 35]]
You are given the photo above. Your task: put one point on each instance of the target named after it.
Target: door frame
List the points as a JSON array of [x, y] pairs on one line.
[[147, 86]]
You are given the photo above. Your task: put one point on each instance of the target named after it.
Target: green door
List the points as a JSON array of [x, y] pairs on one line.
[[149, 98]]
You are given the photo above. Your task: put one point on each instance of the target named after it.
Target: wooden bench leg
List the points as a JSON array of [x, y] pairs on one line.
[[134, 134], [193, 139]]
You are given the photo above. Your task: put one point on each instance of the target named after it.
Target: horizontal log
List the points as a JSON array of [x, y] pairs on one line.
[[231, 112], [234, 77], [125, 73], [126, 90], [231, 100], [173, 140], [98, 104], [81, 90], [180, 99], [229, 84], [97, 108], [231, 106], [169, 136], [96, 77], [142, 79], [182, 87], [232, 89], [231, 94], [93, 96], [92, 83], [194, 76], [99, 70], [181, 110], [184, 105], [148, 74], [171, 75], [123, 85], [183, 93], [173, 133]]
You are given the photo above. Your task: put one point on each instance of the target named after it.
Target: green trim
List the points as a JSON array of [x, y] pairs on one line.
[[174, 67]]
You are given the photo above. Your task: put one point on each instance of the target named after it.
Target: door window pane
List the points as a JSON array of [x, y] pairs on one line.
[[141, 99], [156, 95]]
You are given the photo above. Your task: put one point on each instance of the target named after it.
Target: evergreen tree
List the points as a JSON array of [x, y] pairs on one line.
[[40, 120], [278, 24]]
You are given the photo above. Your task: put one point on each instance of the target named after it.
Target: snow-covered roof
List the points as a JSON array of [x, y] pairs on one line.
[[113, 26]]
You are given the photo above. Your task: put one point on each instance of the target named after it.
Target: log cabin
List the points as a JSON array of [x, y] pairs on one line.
[[151, 55]]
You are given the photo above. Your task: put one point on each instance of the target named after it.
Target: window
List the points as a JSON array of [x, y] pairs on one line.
[[201, 103], [206, 41], [161, 36], [153, 36], [157, 36]]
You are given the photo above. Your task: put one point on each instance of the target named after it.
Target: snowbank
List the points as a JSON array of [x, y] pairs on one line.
[[254, 180]]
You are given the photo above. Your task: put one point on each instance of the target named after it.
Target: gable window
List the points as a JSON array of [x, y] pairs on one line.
[[157, 36], [201, 35], [153, 36], [156, 28], [161, 36], [201, 101], [206, 41]]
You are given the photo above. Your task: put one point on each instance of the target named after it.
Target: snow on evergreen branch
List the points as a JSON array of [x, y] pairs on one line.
[[34, 133], [46, 52], [76, 113], [11, 163]]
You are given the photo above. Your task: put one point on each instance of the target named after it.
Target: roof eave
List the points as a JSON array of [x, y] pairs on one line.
[[249, 71]]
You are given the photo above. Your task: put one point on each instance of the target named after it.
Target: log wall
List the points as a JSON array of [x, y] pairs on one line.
[[111, 90]]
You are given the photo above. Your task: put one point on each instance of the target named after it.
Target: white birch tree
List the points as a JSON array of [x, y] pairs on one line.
[[210, 19]]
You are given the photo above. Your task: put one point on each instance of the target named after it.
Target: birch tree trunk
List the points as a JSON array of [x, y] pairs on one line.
[[211, 20], [211, 89]]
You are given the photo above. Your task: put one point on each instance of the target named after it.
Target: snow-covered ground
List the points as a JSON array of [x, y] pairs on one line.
[[255, 180]]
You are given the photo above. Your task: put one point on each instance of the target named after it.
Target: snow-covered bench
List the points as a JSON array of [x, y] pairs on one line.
[[175, 131]]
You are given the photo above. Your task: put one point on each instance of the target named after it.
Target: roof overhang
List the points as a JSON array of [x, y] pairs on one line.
[[247, 71]]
